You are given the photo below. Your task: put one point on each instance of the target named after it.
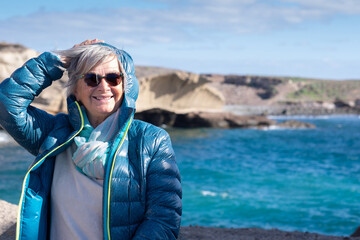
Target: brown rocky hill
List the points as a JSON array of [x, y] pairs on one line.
[[287, 95], [173, 90], [176, 91], [180, 92], [271, 90]]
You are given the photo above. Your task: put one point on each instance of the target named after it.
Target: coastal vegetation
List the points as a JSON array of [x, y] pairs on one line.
[[325, 90]]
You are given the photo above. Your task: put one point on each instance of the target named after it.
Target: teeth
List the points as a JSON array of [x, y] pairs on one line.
[[102, 98]]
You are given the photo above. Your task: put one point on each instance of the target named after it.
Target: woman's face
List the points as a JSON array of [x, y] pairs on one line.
[[103, 100]]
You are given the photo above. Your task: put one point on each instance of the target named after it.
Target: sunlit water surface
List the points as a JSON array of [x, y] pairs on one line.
[[303, 179]]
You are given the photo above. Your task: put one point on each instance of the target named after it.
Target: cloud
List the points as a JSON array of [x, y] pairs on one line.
[[197, 28], [130, 26], [329, 7], [185, 20]]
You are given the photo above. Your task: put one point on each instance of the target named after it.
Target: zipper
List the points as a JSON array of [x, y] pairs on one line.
[[25, 182], [109, 180]]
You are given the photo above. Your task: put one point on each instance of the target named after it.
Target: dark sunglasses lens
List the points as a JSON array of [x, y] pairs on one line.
[[113, 79], [91, 79]]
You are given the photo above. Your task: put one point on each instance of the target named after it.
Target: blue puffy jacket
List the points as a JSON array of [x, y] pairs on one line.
[[141, 192]]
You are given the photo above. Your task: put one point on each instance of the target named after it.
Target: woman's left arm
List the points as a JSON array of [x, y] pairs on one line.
[[163, 194]]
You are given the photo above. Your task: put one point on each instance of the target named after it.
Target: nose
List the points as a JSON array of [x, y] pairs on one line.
[[103, 85]]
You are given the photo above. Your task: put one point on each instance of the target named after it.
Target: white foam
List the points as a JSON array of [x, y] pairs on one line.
[[208, 193], [224, 195], [213, 194], [272, 127]]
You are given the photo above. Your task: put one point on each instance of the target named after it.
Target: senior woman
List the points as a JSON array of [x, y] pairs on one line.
[[98, 174]]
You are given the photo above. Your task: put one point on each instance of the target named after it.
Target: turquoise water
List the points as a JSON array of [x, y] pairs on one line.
[[304, 179]]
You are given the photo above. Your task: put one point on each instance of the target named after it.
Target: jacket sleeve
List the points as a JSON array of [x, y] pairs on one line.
[[26, 124], [163, 195]]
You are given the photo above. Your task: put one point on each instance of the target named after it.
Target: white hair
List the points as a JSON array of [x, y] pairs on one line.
[[83, 59]]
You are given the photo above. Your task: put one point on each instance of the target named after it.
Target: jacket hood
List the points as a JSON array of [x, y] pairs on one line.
[[131, 90]]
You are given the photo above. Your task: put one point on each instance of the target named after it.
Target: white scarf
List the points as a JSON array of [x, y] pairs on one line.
[[93, 145]]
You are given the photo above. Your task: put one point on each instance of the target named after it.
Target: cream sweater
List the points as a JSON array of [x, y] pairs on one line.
[[76, 202]]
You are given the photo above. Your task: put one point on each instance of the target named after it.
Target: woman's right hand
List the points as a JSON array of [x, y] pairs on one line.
[[89, 42]]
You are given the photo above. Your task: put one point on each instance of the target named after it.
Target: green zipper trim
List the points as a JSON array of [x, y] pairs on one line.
[[33, 168], [109, 183]]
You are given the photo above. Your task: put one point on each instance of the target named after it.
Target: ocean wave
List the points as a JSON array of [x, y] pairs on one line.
[[272, 127], [213, 194], [281, 128]]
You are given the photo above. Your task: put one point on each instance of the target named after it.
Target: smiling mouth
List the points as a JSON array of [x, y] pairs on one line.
[[103, 98]]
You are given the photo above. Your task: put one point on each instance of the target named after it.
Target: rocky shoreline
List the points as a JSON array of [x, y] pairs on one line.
[[212, 233], [8, 230], [293, 109], [164, 118], [161, 117]]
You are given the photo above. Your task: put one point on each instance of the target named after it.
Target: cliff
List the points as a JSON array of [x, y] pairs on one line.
[[177, 91], [287, 95], [173, 90], [12, 56]]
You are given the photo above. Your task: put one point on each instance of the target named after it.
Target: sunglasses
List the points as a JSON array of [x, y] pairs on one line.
[[93, 80]]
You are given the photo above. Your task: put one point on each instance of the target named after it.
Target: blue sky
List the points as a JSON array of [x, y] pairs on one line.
[[300, 38]]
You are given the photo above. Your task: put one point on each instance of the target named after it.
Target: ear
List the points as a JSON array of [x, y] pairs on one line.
[[75, 92]]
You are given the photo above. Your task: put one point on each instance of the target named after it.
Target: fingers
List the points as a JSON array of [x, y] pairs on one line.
[[65, 61], [88, 42]]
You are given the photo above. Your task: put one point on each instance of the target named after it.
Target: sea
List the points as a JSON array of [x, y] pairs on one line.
[[291, 179]]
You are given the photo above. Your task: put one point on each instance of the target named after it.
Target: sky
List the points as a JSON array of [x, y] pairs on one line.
[[294, 38]]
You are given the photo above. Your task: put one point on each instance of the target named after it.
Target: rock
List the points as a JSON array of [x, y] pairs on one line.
[[253, 81], [157, 116], [13, 56], [213, 233], [356, 233], [199, 119], [342, 104], [8, 216], [295, 124], [178, 92], [357, 103], [221, 120], [328, 105], [314, 108], [267, 85], [160, 117]]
